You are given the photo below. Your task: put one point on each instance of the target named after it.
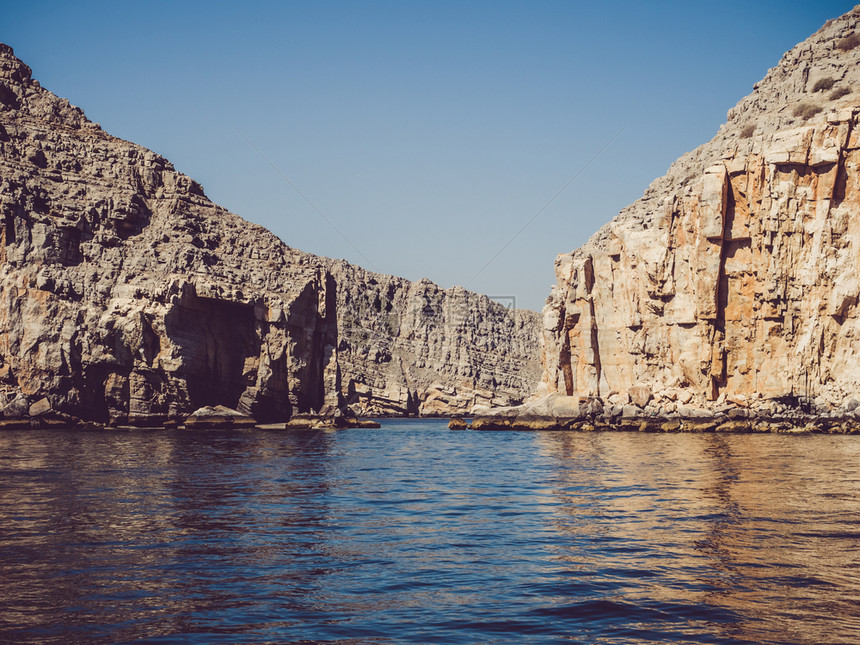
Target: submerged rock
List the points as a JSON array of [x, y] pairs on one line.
[[458, 424], [336, 420]]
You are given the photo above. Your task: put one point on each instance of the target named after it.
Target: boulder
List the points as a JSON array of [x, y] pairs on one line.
[[40, 408], [640, 395], [17, 408], [458, 424], [218, 417], [692, 412], [850, 403], [631, 411]]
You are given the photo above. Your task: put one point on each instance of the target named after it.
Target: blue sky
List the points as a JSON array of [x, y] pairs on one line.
[[428, 133]]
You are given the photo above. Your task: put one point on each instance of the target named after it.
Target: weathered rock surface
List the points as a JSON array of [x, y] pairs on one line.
[[412, 347], [734, 281], [218, 417], [713, 424], [335, 421], [126, 295]]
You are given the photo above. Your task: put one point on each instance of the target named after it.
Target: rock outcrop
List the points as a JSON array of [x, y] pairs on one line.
[[127, 296], [412, 347], [734, 281]]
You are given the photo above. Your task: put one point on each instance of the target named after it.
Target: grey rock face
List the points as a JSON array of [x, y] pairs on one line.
[[406, 347], [128, 296]]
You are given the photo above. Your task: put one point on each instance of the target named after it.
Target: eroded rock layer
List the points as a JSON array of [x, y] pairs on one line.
[[735, 279], [127, 295]]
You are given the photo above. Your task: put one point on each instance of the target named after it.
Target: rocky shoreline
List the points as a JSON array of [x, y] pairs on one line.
[[206, 418], [557, 412], [591, 417], [800, 424]]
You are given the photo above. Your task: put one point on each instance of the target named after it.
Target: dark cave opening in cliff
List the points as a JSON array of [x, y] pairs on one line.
[[215, 338]]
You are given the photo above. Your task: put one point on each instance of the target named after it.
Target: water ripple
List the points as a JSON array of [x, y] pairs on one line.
[[416, 534]]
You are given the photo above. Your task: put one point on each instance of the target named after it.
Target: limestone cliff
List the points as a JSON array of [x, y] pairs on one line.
[[407, 347], [735, 278], [127, 295]]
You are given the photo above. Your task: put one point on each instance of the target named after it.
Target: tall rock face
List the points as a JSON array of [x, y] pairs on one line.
[[127, 295], [412, 347], [736, 277]]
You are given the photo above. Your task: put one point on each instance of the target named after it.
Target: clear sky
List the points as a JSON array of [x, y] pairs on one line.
[[428, 133]]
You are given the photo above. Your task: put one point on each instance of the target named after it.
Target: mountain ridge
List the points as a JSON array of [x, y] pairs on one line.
[[130, 297]]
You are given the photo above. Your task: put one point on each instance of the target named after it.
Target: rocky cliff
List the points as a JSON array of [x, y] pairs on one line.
[[127, 295], [734, 281]]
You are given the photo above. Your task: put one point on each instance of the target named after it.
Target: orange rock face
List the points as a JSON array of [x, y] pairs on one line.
[[736, 277]]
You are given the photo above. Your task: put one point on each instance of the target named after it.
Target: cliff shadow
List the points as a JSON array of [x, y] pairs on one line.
[[214, 338]]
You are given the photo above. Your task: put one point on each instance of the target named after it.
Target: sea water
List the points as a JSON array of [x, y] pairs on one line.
[[413, 533]]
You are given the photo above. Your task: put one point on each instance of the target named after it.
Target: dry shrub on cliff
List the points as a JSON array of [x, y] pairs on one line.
[[748, 130], [806, 110], [838, 94], [848, 43], [823, 84]]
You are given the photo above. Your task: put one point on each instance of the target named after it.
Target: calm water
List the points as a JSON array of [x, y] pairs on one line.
[[414, 533]]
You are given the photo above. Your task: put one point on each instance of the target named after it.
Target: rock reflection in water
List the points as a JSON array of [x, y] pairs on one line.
[[749, 537], [162, 529], [412, 533]]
